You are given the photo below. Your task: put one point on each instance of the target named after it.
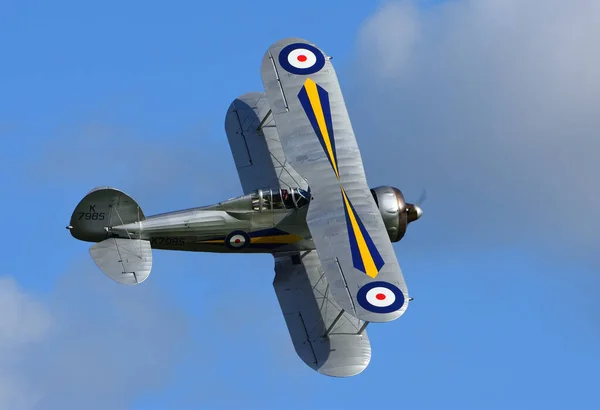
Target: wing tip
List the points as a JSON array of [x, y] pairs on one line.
[[343, 371], [289, 40], [382, 317], [349, 355], [280, 44]]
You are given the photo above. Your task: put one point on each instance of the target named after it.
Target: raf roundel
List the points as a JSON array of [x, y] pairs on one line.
[[237, 240], [380, 297], [301, 59]]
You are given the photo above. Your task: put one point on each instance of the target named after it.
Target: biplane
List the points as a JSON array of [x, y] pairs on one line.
[[306, 201]]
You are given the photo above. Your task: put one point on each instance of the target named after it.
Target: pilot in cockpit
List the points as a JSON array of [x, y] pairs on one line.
[[288, 202]]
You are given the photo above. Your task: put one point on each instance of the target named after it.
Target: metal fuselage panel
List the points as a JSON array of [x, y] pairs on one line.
[[228, 227]]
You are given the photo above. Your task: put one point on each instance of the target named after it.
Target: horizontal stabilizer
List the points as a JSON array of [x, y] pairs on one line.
[[127, 261]]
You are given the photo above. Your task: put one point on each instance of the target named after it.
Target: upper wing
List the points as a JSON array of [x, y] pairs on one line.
[[325, 337], [255, 146], [318, 140]]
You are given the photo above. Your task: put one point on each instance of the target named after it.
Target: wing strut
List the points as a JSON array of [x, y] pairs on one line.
[[362, 329], [337, 319], [264, 120]]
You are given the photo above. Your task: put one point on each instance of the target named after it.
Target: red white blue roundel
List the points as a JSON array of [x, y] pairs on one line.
[[301, 59], [380, 297], [237, 240]]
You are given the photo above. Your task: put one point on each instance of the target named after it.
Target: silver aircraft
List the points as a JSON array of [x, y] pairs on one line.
[[306, 202]]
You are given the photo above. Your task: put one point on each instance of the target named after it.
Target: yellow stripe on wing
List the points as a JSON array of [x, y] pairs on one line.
[[365, 253], [315, 103]]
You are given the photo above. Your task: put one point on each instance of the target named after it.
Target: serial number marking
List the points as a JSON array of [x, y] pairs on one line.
[[94, 216], [167, 240]]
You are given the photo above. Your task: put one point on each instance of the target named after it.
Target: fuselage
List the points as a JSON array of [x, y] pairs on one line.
[[264, 221]]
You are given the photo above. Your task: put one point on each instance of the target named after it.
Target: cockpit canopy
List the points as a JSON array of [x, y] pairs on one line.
[[270, 199]]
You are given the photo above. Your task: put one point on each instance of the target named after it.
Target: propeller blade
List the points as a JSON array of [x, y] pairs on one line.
[[422, 198]]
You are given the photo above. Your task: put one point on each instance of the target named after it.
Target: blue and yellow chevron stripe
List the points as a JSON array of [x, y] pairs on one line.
[[365, 256], [272, 237], [315, 102]]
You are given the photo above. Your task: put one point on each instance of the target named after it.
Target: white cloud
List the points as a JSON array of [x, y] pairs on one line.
[[23, 324], [23, 319], [90, 344], [494, 109], [394, 26]]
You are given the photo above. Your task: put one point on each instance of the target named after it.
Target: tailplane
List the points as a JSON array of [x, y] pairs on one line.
[[127, 261]]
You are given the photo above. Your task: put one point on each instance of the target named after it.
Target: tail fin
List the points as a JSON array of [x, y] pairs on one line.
[[126, 261], [103, 207]]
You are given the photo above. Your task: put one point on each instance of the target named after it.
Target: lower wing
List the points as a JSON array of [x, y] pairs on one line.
[[256, 147], [326, 337]]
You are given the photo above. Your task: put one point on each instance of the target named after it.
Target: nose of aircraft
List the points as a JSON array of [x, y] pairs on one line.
[[418, 211], [414, 212]]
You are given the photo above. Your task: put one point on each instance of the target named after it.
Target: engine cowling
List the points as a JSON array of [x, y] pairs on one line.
[[396, 213]]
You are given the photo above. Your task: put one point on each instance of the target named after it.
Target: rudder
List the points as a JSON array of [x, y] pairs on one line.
[[103, 207]]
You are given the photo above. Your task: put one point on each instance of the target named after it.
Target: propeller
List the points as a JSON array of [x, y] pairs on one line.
[[414, 211], [422, 198]]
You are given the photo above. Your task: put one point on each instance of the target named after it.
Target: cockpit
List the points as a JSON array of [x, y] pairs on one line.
[[271, 199]]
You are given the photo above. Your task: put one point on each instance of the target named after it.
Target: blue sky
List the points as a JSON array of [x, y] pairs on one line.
[[134, 95]]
